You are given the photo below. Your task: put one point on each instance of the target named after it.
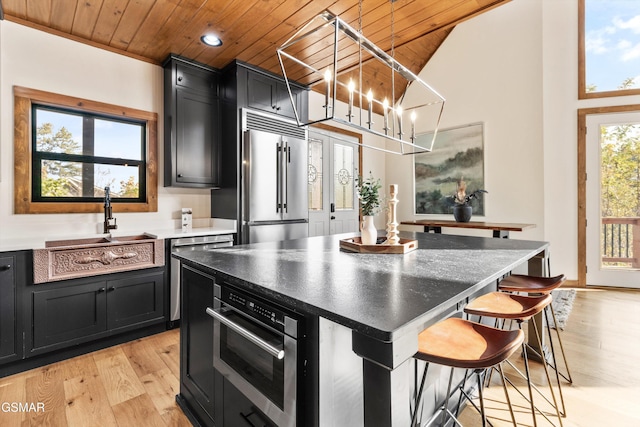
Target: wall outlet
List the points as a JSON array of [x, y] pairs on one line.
[[187, 219]]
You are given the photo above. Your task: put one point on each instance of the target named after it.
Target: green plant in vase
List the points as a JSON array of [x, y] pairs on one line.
[[369, 196], [461, 201]]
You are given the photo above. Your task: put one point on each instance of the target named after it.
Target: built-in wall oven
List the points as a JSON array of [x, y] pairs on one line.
[[256, 349]]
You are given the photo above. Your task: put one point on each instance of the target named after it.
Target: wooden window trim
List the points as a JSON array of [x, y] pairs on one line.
[[22, 151], [582, 67]]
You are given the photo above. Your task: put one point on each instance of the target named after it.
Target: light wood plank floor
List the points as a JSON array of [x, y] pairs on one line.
[[602, 341], [135, 384]]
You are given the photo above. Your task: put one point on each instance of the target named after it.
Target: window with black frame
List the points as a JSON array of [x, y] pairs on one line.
[[75, 155]]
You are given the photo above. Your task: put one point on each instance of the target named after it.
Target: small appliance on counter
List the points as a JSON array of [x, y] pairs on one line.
[[187, 219]]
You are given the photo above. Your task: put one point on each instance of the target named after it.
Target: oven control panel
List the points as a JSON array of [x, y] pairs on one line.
[[254, 308]]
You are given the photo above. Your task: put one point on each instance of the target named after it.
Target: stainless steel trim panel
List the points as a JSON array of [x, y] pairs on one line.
[[183, 244]]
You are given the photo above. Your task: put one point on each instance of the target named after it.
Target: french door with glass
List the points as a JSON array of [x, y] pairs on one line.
[[613, 199], [333, 204]]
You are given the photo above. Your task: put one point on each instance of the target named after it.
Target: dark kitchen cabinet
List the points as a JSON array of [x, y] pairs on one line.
[[191, 117], [196, 349], [270, 94], [80, 310], [238, 410], [8, 348], [15, 272]]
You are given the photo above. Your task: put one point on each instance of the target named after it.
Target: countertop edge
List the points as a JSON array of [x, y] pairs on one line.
[[37, 242]]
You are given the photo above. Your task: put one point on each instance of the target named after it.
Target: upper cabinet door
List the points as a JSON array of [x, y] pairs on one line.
[[195, 154], [192, 142], [285, 107], [261, 92], [270, 94]]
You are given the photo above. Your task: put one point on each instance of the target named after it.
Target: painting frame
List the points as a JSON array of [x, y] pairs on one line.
[[458, 153]]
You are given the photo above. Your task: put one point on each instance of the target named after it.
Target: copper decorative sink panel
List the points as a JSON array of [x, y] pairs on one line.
[[68, 259]]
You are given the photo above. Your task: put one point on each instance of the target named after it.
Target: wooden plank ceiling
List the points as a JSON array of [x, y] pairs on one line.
[[251, 30]]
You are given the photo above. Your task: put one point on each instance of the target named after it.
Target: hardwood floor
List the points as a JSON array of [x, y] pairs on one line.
[[135, 384], [602, 341], [132, 384]]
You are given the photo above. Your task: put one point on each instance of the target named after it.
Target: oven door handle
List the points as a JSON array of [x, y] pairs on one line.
[[274, 351]]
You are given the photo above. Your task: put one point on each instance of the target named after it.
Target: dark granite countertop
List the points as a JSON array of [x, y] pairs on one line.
[[379, 295]]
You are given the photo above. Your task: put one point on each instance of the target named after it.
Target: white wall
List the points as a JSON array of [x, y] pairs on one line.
[[489, 71], [38, 60], [515, 69]]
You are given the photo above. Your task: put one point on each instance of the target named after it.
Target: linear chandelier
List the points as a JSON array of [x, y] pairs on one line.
[[330, 56]]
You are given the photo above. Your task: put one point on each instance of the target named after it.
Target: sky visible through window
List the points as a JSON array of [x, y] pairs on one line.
[[112, 139], [612, 44]]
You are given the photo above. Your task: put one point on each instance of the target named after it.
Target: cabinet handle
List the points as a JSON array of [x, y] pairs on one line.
[[101, 290], [179, 78], [112, 288], [179, 175], [5, 267]]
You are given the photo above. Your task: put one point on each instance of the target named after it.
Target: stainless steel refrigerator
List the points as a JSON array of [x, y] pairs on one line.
[[274, 187]]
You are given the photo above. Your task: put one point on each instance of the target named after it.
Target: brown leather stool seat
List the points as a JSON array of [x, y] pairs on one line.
[[530, 284], [502, 305], [460, 343], [543, 285]]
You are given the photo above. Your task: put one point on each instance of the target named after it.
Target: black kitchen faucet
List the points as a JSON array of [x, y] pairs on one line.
[[108, 216]]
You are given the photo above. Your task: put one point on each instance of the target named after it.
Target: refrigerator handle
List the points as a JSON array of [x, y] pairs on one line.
[[286, 157], [278, 179]]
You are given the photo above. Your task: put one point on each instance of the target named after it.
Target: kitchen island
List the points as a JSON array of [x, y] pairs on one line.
[[383, 300]]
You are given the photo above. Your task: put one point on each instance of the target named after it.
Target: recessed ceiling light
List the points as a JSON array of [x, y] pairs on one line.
[[211, 40]]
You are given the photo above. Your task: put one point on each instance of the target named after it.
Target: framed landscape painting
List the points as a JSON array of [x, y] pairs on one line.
[[458, 153]]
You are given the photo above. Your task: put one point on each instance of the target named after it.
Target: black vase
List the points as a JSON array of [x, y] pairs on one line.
[[462, 213]]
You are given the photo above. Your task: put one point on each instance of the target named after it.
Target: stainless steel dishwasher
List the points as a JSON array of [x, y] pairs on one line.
[[185, 244]]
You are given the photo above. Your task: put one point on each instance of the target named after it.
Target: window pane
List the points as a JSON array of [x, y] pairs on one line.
[[61, 179], [619, 194], [343, 176], [118, 140], [66, 179], [612, 45], [122, 181], [315, 175], [58, 132]]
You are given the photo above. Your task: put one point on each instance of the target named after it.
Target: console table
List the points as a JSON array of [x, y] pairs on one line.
[[500, 230]]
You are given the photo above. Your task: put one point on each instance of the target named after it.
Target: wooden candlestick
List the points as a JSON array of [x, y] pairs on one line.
[[392, 223]]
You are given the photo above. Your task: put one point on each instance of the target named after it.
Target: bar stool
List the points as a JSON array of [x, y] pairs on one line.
[[501, 305], [459, 343], [540, 285]]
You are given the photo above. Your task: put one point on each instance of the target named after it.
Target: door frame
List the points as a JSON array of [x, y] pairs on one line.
[[358, 136], [582, 179]]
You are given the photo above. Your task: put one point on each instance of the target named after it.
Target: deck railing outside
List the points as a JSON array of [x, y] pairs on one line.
[[621, 242]]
